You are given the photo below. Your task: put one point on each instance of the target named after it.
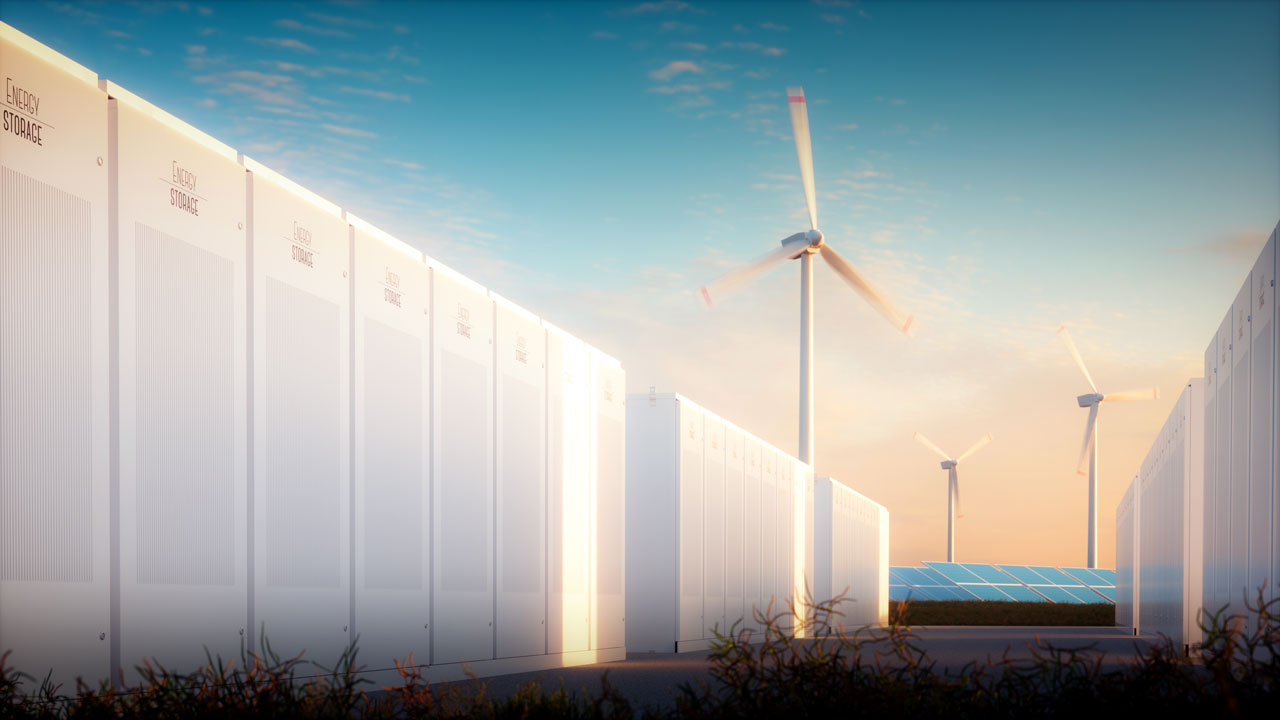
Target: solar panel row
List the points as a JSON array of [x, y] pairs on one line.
[[981, 581]]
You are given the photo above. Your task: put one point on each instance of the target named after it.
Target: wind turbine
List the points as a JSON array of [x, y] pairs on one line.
[[1090, 447], [803, 245], [953, 485]]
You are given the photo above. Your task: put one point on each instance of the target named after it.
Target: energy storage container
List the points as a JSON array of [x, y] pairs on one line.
[[462, 497], [608, 503], [850, 555], [520, 413], [1126, 588], [55, 414], [1170, 552], [568, 493], [680, 466], [300, 413], [179, 230], [391, 450]]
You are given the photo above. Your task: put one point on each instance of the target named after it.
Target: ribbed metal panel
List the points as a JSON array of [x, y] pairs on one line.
[[568, 495], [185, 400], [394, 525], [302, 541], [609, 563], [46, 413]]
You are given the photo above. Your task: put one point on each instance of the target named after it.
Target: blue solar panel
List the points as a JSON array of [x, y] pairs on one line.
[[1109, 592], [986, 592], [899, 592], [1024, 574], [987, 573], [954, 572], [1054, 575], [981, 581], [1022, 593], [1057, 594], [1108, 576]]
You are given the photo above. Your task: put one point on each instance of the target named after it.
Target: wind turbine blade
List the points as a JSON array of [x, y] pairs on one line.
[[1062, 333], [1148, 394], [925, 441], [976, 447], [800, 130], [1081, 464], [864, 288], [734, 279]]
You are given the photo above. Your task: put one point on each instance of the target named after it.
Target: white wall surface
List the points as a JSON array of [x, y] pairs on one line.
[[850, 559]]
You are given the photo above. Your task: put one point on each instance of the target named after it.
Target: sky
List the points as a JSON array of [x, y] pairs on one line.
[[997, 169]]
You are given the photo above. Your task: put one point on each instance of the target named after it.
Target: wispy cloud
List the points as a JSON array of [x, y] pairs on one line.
[[378, 94], [1243, 245], [666, 6], [676, 26], [604, 35], [291, 24], [847, 126], [287, 43], [340, 20], [674, 68], [349, 131], [755, 47], [774, 26], [694, 46]]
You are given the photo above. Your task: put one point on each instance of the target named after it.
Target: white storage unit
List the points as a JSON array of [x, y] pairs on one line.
[[183, 393], [55, 404], [1241, 501], [1170, 491], [310, 426], [850, 554], [462, 478], [520, 413], [1126, 589], [300, 409], [391, 447], [680, 460], [608, 502], [568, 494]]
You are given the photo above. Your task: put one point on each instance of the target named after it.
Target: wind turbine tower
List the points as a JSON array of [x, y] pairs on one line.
[[1089, 450], [953, 484]]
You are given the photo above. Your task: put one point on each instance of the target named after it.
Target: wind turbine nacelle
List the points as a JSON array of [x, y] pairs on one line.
[[948, 464], [1089, 400], [814, 237]]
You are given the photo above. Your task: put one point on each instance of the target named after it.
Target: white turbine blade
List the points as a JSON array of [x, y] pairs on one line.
[[925, 441], [734, 279], [870, 293], [1148, 394], [1062, 333], [1082, 463], [800, 129], [976, 447]]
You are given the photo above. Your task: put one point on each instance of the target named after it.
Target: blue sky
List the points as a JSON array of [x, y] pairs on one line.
[[997, 168]]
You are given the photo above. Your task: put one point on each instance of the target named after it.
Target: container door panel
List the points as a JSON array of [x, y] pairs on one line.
[[733, 526], [690, 569], [183, 395], [1237, 580], [1261, 412], [392, 376], [568, 458], [609, 503], [55, 571], [752, 582], [301, 468], [713, 514], [462, 478], [521, 486]]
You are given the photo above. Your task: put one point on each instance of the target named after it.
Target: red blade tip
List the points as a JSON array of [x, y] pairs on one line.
[[706, 296]]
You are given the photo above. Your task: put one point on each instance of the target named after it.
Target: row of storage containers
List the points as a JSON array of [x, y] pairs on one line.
[[1241, 502], [1227, 505], [228, 407], [1160, 529], [723, 533]]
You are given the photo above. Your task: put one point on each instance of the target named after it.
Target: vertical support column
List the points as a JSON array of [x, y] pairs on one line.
[[1093, 501]]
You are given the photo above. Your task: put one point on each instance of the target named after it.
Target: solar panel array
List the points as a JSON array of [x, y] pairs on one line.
[[1022, 583]]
